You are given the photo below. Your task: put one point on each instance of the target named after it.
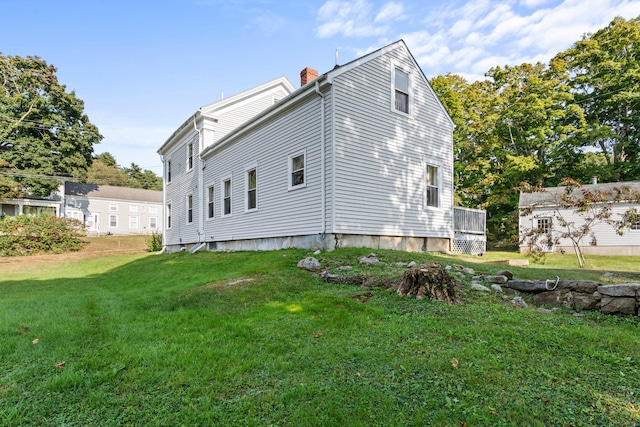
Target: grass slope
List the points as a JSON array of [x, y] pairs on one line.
[[178, 340]]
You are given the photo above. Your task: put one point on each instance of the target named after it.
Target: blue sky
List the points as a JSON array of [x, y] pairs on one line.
[[143, 67]]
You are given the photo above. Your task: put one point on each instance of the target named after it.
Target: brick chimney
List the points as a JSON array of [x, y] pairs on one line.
[[307, 75]]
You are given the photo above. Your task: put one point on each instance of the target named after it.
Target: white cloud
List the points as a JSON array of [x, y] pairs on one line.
[[355, 18]]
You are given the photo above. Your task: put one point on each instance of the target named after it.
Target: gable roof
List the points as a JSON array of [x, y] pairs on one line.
[[112, 193], [548, 196], [327, 77]]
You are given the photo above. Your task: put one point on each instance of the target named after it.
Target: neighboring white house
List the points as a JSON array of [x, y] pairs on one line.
[[103, 209], [106, 209], [359, 156], [546, 213]]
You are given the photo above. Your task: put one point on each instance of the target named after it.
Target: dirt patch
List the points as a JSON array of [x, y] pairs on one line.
[[94, 247]]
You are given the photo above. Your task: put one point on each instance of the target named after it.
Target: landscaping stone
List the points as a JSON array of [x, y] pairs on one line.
[[620, 290], [499, 279], [344, 268], [619, 305], [479, 287], [530, 286], [519, 302], [507, 273], [411, 264], [370, 259], [309, 264], [583, 301], [496, 288]]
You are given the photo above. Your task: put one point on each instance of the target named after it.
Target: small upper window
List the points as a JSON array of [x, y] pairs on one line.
[[401, 91], [113, 206], [168, 171], [168, 215], [190, 156], [297, 166], [432, 182]]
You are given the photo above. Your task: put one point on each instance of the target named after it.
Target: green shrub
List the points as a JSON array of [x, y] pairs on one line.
[[27, 235], [154, 241]]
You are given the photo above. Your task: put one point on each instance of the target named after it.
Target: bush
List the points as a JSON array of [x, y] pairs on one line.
[[154, 241], [28, 235]]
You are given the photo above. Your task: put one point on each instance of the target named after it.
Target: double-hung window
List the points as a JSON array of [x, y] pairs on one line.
[[168, 215], [189, 208], [251, 184], [226, 197], [168, 171], [113, 221], [297, 171], [211, 192], [432, 186], [401, 91]]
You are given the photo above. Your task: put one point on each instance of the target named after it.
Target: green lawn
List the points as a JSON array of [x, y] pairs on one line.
[[178, 340]]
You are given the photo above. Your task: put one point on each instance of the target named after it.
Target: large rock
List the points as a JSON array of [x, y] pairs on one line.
[[618, 305], [620, 290], [499, 279], [559, 297], [584, 286], [310, 264], [586, 301], [533, 286], [370, 259], [506, 273]]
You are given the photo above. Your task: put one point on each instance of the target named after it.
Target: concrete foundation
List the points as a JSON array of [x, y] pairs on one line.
[[327, 242]]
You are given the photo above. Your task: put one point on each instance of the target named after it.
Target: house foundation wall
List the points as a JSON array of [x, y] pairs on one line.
[[326, 242]]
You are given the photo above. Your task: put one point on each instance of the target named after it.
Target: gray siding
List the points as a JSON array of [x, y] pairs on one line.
[[280, 211], [183, 182], [380, 154]]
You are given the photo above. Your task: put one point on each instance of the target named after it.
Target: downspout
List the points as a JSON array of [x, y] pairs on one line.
[[200, 184], [164, 205], [322, 162]]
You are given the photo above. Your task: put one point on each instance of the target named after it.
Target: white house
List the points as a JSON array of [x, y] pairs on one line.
[[546, 214], [359, 156]]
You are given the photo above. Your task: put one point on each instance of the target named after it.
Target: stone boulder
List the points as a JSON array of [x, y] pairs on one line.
[[370, 259], [507, 273], [310, 264]]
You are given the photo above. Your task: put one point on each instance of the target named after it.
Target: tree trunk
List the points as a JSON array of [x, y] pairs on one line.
[[431, 281]]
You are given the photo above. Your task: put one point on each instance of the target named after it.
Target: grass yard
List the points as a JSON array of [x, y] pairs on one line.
[[244, 338]]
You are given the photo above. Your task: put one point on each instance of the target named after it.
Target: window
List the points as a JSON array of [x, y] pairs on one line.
[[401, 91], [211, 192], [153, 222], [251, 185], [190, 156], [226, 197], [113, 206], [133, 208], [432, 182], [113, 221], [133, 222], [297, 171], [189, 209], [168, 171], [168, 215], [544, 225], [153, 209]]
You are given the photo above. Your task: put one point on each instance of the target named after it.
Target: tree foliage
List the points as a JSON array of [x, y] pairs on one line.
[[44, 131], [105, 171], [538, 123]]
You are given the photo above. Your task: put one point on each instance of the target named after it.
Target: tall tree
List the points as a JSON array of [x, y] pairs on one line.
[[44, 131], [605, 71]]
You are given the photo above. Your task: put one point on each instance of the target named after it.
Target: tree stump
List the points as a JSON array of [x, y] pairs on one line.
[[431, 281]]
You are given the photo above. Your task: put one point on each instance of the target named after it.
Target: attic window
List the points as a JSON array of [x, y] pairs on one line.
[[401, 91], [190, 156]]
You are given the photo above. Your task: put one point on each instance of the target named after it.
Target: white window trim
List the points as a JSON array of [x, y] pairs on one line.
[[222, 188], [246, 187], [186, 205], [397, 66], [437, 165], [117, 220], [133, 208], [156, 222], [169, 214], [290, 170], [136, 220], [168, 171], [207, 217], [113, 207]]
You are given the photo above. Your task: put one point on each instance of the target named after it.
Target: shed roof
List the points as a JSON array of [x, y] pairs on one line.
[[548, 196], [112, 193]]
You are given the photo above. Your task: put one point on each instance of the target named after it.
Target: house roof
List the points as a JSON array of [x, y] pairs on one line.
[[301, 92], [112, 193], [548, 196]]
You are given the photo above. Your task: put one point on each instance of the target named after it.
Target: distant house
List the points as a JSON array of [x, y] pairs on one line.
[[359, 156], [106, 209], [103, 209], [545, 214]]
